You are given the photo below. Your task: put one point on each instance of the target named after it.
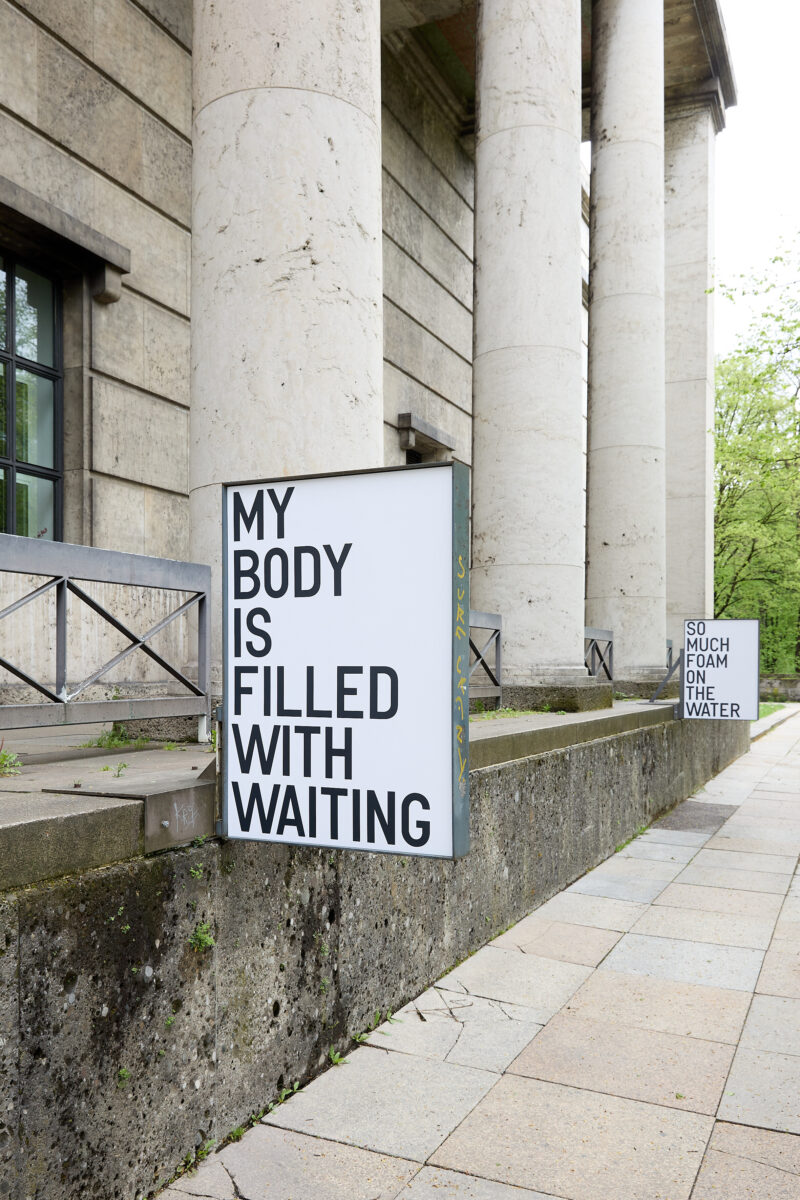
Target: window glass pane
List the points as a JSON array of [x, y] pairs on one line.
[[34, 419], [3, 418], [34, 316], [2, 302], [35, 507], [3, 503]]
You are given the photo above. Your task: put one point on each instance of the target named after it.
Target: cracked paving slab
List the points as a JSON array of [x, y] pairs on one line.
[[392, 1103], [275, 1164], [541, 984], [210, 1181], [453, 1027]]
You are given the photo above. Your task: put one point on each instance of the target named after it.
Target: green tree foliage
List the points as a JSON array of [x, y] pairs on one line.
[[757, 513]]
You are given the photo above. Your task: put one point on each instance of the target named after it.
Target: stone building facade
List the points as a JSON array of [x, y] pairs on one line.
[[373, 216]]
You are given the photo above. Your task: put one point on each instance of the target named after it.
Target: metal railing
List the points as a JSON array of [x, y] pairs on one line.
[[492, 622], [63, 564], [598, 651]]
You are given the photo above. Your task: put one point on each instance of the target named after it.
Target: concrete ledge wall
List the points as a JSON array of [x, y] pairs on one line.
[[123, 1048], [780, 687]]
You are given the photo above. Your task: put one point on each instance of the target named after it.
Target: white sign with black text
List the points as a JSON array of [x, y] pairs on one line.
[[340, 646], [720, 670]]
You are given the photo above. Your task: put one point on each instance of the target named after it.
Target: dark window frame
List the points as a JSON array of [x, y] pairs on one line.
[[9, 462]]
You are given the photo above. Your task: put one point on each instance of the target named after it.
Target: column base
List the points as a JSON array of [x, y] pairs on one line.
[[640, 683], [576, 694]]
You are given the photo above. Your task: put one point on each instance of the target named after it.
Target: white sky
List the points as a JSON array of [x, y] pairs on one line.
[[758, 169]]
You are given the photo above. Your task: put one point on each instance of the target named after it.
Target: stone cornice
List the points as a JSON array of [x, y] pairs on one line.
[[418, 66], [703, 95], [716, 39]]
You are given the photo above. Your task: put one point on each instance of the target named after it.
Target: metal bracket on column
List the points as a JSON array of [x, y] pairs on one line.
[[677, 663]]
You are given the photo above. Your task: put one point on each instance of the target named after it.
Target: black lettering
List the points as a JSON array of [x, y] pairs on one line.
[[290, 801], [386, 821], [287, 760], [335, 794], [240, 572], [245, 818], [269, 558], [337, 564], [266, 640], [311, 711], [237, 633], [375, 713], [279, 506], [423, 827], [342, 691], [306, 733], [242, 517], [312, 812], [734, 710], [267, 691], [256, 746], [239, 689], [345, 752], [313, 553], [356, 814], [280, 709]]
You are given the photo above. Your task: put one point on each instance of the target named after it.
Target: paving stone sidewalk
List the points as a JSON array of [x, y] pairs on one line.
[[637, 1037]]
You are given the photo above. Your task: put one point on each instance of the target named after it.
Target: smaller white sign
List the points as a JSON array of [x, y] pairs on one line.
[[720, 670]]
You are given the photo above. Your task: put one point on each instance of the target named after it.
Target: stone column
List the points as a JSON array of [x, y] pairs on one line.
[[626, 497], [286, 249], [528, 465], [689, 183]]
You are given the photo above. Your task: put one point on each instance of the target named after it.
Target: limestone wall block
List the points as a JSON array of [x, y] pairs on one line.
[[42, 168], [132, 49], [166, 169], [425, 300], [423, 180], [71, 20], [18, 78], [118, 338], [173, 15], [89, 116], [139, 520], [401, 393], [138, 437], [124, 43], [85, 113], [251, 46], [416, 112], [142, 344], [166, 353], [160, 249], [293, 263], [416, 232], [415, 351]]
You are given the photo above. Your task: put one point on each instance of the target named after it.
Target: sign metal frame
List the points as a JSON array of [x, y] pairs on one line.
[[683, 715], [459, 689]]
